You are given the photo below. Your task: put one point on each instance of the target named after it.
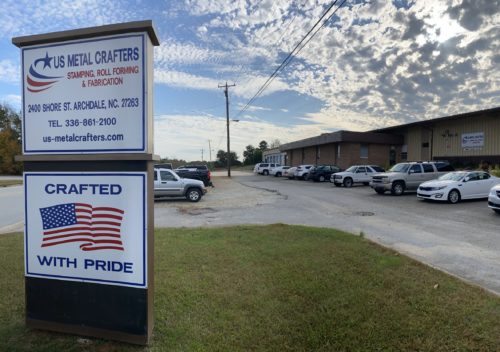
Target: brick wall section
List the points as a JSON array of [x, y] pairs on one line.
[[328, 154], [293, 157], [378, 154], [310, 155]]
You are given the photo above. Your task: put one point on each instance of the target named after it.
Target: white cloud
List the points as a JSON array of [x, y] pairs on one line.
[[12, 100], [9, 72], [26, 17], [171, 52], [183, 136], [184, 80]]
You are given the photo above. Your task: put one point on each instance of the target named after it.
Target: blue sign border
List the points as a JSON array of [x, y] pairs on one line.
[[144, 227], [89, 151]]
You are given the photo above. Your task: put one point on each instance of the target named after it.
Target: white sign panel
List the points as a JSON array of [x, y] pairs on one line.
[[473, 140], [85, 96], [86, 227]]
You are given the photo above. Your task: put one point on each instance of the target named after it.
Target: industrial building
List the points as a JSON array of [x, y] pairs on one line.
[[465, 139]]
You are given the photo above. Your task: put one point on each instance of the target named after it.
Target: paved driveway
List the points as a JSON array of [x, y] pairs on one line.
[[11, 209], [462, 239]]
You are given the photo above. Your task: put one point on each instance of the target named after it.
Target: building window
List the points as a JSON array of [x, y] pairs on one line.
[[404, 155], [363, 151]]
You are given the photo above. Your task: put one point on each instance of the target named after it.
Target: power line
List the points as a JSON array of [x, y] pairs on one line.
[[294, 52]]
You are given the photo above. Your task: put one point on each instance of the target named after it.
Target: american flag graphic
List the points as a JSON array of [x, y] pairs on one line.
[[95, 228]]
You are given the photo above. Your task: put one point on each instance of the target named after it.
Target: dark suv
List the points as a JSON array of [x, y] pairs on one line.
[[320, 173]]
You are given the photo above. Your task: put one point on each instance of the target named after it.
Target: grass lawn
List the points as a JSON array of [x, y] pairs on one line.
[[280, 288], [7, 183]]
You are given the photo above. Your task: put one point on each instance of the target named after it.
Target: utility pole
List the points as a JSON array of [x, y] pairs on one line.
[[226, 87], [202, 155], [210, 150]]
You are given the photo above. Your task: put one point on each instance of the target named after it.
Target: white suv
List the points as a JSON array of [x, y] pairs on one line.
[[302, 171], [265, 168]]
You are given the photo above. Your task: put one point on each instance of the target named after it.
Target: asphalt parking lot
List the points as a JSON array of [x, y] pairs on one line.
[[462, 239]]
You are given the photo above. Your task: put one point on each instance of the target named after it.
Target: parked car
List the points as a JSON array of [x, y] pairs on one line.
[[494, 199], [168, 184], [195, 172], [290, 173], [265, 168], [164, 166], [192, 167], [458, 185], [278, 170], [408, 176], [355, 174], [321, 173], [302, 171]]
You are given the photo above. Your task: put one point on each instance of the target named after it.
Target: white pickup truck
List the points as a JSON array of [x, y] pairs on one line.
[[408, 176], [355, 174]]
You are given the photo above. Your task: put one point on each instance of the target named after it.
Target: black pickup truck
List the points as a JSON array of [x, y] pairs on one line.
[[196, 172]]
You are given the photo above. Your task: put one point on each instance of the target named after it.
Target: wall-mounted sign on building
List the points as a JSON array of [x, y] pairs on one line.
[[473, 140], [86, 96], [87, 227]]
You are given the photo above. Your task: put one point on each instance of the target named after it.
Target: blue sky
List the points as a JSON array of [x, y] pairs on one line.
[[375, 64]]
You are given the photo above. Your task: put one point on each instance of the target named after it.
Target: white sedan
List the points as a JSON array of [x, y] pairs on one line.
[[458, 185], [494, 199], [278, 171]]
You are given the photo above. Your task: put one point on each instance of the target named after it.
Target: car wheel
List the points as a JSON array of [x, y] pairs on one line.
[[321, 178], [336, 184], [366, 183], [278, 174], [398, 188], [291, 177], [193, 195], [348, 182], [496, 211], [304, 177], [265, 172], [454, 196], [380, 191]]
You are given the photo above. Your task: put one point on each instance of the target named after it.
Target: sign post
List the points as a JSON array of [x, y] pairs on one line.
[[88, 159]]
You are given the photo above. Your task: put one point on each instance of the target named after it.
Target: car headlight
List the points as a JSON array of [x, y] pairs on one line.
[[437, 188]]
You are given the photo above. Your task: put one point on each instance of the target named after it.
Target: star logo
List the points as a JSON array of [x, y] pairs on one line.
[[46, 60], [36, 80]]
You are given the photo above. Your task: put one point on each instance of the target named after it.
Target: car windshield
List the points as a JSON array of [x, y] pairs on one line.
[[351, 169], [400, 168], [453, 176]]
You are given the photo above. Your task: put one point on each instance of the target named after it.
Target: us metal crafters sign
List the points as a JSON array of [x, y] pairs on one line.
[[85, 96]]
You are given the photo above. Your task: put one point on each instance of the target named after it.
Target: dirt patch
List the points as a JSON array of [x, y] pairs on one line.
[[226, 193], [196, 211]]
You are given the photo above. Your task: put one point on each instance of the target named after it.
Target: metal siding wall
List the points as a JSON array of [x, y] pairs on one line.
[[414, 142], [451, 144]]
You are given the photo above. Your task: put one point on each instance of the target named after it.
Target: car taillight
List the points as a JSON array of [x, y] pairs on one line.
[[209, 174]]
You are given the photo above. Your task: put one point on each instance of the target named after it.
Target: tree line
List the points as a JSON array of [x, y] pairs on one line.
[[10, 141], [251, 155]]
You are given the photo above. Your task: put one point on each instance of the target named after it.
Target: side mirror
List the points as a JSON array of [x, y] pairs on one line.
[[411, 172], [467, 179]]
